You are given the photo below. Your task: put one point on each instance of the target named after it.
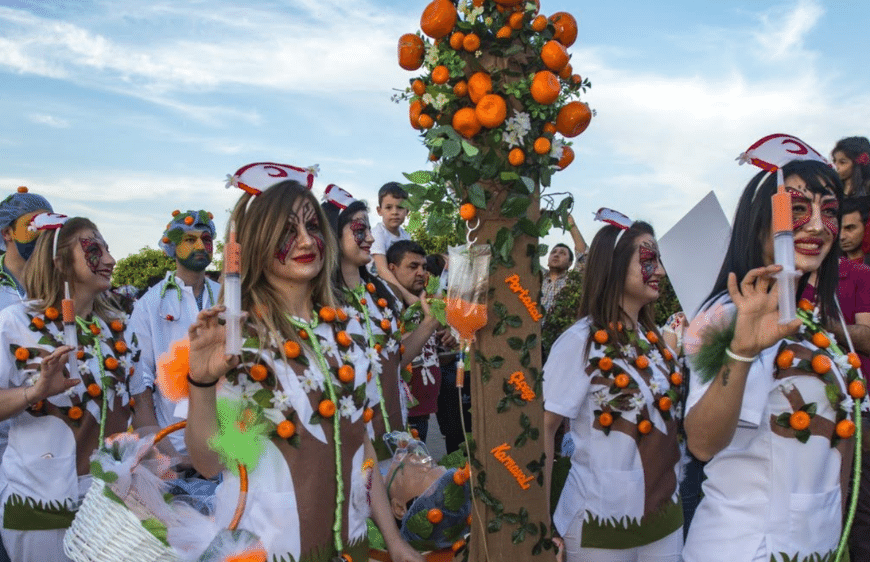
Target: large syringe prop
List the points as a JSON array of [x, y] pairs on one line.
[[233, 294], [70, 337], [783, 251]]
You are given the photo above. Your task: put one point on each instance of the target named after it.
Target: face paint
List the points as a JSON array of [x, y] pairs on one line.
[[359, 228], [648, 254], [194, 252], [304, 217], [93, 249], [802, 211], [288, 239], [830, 209], [25, 249], [20, 233]]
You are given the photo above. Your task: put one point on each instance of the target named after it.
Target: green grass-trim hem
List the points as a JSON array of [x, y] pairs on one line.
[[27, 514], [608, 534]]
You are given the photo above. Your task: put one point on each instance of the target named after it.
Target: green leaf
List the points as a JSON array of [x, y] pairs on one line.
[[156, 528], [494, 525], [476, 196], [515, 205], [504, 243], [451, 149], [419, 525], [470, 149], [528, 227], [454, 497], [509, 176], [515, 343], [529, 183], [810, 408]]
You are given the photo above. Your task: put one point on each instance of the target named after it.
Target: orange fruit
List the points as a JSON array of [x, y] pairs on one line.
[[385, 325], [516, 20], [75, 413], [418, 87], [458, 545], [341, 315], [80, 354], [467, 211], [414, 433], [111, 363], [576, 80], [51, 313], [94, 390], [667, 354], [573, 118], [665, 403], [22, 354], [642, 362], [121, 347], [346, 374], [425, 121], [821, 364], [292, 349], [440, 74], [38, 323], [645, 426], [303, 334], [465, 122], [188, 221], [854, 360], [601, 336], [565, 73], [459, 478], [605, 363], [516, 157], [605, 419], [542, 145], [176, 212], [652, 337], [821, 340], [95, 329], [370, 288], [550, 128], [456, 40], [566, 28], [382, 303], [545, 88], [479, 85], [799, 420], [539, 24], [566, 158], [621, 380], [343, 339], [504, 32], [368, 414], [286, 429], [435, 515], [676, 378], [554, 55], [259, 372], [414, 112], [806, 305], [460, 89], [845, 429], [471, 42], [326, 408], [438, 18], [857, 389], [363, 301], [378, 347], [491, 111], [116, 325], [785, 359]]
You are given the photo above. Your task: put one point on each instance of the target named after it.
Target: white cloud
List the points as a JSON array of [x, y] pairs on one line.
[[49, 120], [782, 33]]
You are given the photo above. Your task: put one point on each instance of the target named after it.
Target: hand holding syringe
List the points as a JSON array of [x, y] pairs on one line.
[[69, 332], [783, 251]]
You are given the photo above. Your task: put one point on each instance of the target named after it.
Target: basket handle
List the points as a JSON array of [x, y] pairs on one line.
[[243, 474]]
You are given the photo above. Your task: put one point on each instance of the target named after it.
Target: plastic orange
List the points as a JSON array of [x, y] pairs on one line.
[[414, 433], [440, 74], [516, 20], [566, 158], [806, 305], [259, 372], [504, 32], [516, 157], [857, 389], [573, 119], [465, 122], [111, 363], [550, 128], [667, 354], [821, 364], [326, 408], [542, 145], [554, 55], [605, 363], [38, 323], [425, 121], [491, 111], [565, 73], [621, 380], [286, 429], [539, 24], [676, 378], [346, 374], [80, 354], [821, 340], [479, 85], [642, 362], [665, 403], [368, 414], [435, 516], [601, 336], [75, 413], [652, 337], [605, 419], [845, 429], [370, 288], [343, 339], [188, 220], [94, 390], [121, 347], [460, 89], [382, 303], [414, 112], [456, 40], [467, 211], [116, 326], [292, 349], [854, 360], [458, 545], [799, 420], [341, 315], [545, 88], [385, 325], [22, 354], [418, 87], [378, 347], [95, 329], [303, 334], [438, 18], [471, 42], [566, 28], [785, 359], [576, 80], [645, 426], [176, 212], [51, 313]]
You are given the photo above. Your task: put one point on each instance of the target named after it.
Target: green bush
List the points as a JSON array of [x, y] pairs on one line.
[[136, 269]]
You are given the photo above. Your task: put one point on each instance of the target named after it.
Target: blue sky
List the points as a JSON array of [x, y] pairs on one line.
[[123, 110]]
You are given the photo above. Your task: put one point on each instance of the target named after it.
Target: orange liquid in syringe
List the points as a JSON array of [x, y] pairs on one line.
[[466, 317]]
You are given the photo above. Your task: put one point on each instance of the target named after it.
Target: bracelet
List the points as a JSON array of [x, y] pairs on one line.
[[740, 358], [201, 384]]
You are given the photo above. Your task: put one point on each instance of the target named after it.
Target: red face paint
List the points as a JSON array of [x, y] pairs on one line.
[[93, 249], [648, 254], [359, 228], [306, 218], [802, 212]]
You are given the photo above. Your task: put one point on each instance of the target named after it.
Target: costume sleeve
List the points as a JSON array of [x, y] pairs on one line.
[[144, 368], [862, 289], [565, 380], [8, 369], [379, 246]]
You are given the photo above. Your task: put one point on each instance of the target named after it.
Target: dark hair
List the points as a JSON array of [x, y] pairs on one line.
[[435, 264], [604, 281], [853, 147], [391, 188], [338, 219], [396, 252], [752, 224], [859, 205], [570, 253]]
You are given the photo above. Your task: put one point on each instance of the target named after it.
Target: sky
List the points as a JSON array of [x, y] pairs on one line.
[[123, 110]]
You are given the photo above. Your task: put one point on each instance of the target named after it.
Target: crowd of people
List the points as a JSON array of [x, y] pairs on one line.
[[730, 437]]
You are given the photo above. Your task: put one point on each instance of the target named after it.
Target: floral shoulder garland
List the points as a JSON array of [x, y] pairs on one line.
[[620, 398]]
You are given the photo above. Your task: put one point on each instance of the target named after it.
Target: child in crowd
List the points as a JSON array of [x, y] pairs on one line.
[[391, 208]]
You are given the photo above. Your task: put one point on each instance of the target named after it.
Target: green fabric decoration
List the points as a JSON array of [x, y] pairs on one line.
[[708, 361], [242, 434], [27, 514]]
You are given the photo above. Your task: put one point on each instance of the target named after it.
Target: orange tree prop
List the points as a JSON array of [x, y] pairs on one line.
[[496, 99]]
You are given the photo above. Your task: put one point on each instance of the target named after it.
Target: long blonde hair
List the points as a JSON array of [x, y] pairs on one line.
[[44, 274], [260, 222]]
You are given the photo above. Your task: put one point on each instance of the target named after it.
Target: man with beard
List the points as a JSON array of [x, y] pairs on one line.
[[164, 313]]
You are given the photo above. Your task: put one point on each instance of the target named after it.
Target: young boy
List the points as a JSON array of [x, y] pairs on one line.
[[391, 209]]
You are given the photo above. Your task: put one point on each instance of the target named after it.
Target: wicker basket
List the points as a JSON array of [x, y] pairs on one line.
[[105, 530]]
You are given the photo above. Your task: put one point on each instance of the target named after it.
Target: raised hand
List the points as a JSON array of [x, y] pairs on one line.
[[208, 358], [756, 297], [51, 380]]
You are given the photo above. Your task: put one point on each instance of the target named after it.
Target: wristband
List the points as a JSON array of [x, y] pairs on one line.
[[201, 384], [739, 358]]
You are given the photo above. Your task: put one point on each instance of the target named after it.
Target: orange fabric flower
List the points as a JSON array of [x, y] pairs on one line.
[[172, 369]]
